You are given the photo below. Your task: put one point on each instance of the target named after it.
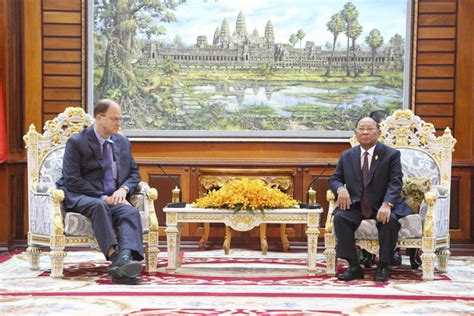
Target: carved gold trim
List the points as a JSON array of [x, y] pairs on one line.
[[200, 218], [243, 222], [40, 239], [313, 219], [80, 240], [428, 228], [171, 219], [209, 182], [170, 244]]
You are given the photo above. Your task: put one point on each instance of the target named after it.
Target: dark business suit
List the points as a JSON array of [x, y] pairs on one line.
[[82, 182], [384, 185]]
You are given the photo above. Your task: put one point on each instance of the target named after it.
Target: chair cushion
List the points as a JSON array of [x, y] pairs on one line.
[[76, 224], [410, 228]]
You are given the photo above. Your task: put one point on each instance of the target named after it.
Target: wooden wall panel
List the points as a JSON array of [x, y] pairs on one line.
[[437, 19], [436, 62], [464, 110], [61, 5], [427, 45], [63, 55]]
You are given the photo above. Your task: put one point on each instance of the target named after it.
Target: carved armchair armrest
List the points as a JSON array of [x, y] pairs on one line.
[[430, 216], [143, 199], [331, 198], [434, 212], [45, 216]]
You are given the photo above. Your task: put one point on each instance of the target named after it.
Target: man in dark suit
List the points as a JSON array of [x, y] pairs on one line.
[[366, 258], [99, 172], [368, 183]]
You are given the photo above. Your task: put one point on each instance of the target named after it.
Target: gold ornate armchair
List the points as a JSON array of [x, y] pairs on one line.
[[424, 156], [212, 179], [49, 225]]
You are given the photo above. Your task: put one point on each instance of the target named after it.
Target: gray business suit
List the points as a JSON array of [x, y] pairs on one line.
[[82, 182], [384, 185]]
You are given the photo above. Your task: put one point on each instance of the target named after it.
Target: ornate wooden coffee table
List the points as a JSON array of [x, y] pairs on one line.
[[242, 221]]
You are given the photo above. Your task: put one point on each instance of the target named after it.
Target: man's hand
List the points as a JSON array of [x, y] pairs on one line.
[[343, 199], [118, 197], [383, 215]]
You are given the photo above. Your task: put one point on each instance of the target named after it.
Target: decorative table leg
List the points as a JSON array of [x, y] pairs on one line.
[[178, 245], [312, 234], [33, 254], [228, 240], [172, 244], [284, 238], [263, 238], [205, 236]]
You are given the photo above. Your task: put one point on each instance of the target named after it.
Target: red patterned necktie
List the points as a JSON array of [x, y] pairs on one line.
[[364, 201]]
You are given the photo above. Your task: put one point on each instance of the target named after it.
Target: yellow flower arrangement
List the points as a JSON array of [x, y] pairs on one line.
[[248, 195]]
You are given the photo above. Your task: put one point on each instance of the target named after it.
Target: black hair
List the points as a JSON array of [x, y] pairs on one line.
[[378, 115]]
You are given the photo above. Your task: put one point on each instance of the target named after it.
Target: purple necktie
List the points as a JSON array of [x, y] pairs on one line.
[[364, 200], [109, 182]]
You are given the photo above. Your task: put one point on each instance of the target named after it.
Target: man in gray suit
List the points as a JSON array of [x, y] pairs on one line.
[[368, 183], [99, 172]]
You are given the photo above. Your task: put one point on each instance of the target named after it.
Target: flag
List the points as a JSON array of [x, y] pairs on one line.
[[3, 128]]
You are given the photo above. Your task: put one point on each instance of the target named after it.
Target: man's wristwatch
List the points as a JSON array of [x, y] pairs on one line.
[[125, 188], [389, 204]]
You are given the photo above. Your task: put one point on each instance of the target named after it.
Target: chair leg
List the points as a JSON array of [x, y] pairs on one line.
[[34, 255], [57, 263], [205, 236], [443, 255], [263, 238], [228, 240], [428, 265], [330, 254], [151, 252], [284, 238]]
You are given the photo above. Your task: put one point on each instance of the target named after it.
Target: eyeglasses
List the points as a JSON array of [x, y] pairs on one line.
[[113, 119], [363, 130]]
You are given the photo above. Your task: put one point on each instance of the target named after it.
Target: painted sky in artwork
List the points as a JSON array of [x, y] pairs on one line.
[[198, 17]]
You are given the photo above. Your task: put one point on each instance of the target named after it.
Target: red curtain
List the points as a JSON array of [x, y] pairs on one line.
[[3, 128]]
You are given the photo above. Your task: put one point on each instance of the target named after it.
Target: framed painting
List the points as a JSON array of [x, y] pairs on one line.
[[255, 70]]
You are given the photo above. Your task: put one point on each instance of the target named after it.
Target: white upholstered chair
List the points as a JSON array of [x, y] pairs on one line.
[[49, 225], [423, 156]]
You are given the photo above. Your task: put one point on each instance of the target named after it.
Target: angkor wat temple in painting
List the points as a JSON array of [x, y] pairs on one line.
[[243, 50]]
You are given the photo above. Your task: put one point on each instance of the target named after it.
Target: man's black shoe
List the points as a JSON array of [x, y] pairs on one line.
[[366, 258], [352, 273], [129, 280], [397, 258], [123, 265], [415, 258], [381, 274]]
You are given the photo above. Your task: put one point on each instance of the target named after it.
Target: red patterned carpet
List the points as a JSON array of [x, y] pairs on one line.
[[243, 283]]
